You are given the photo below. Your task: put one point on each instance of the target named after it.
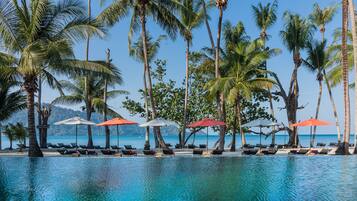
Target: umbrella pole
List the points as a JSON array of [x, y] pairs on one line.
[[207, 141], [311, 142], [118, 137], [260, 136], [76, 136]]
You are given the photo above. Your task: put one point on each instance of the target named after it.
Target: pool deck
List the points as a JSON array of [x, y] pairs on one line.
[[178, 153]]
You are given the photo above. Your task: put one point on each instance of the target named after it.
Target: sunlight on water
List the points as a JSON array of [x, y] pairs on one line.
[[180, 178]]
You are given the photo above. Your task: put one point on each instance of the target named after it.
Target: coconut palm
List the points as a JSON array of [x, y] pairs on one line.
[[77, 95], [162, 13], [344, 147], [206, 6], [316, 61], [192, 16], [243, 78], [320, 17], [137, 52], [265, 17], [221, 5], [41, 34], [295, 35]]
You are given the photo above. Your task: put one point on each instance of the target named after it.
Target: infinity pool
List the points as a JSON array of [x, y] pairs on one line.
[[179, 178]]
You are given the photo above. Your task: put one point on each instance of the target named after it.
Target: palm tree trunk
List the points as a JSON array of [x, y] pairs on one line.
[[152, 100], [105, 118], [147, 129], [234, 130], [34, 149], [219, 98], [354, 42], [186, 95], [208, 27], [244, 141], [344, 148], [39, 108], [317, 111], [86, 78]]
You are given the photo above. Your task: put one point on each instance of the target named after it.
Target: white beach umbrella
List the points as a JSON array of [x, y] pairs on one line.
[[260, 123], [75, 121], [159, 122]]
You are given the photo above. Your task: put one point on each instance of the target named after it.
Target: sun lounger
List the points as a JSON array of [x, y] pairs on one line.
[[108, 152], [74, 145], [129, 147], [324, 151], [91, 152], [248, 146], [269, 151], [293, 151], [168, 151], [351, 145], [149, 152], [302, 151], [319, 144], [54, 146], [203, 146], [313, 152], [98, 147], [115, 147], [67, 151], [191, 146], [217, 152], [83, 146], [130, 152], [82, 151], [260, 146], [197, 152], [60, 145], [333, 144], [178, 146], [250, 151], [168, 145]]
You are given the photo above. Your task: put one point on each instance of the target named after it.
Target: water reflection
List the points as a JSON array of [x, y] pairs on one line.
[[179, 178]]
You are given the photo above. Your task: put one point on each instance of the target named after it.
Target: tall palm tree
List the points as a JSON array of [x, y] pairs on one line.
[[41, 34], [205, 6], [265, 17], [352, 13], [136, 51], [320, 17], [243, 77], [163, 13], [221, 5], [77, 95], [316, 61], [297, 32], [191, 16], [344, 147]]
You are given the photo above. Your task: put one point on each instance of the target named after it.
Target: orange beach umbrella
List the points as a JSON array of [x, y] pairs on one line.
[[117, 122], [311, 122]]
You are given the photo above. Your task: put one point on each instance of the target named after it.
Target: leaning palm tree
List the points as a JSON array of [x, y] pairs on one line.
[[136, 51], [316, 61], [265, 17], [41, 34], [192, 16], [243, 78], [163, 13], [320, 17], [221, 5], [297, 32]]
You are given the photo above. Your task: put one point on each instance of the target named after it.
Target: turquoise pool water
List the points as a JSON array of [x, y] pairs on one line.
[[179, 178]]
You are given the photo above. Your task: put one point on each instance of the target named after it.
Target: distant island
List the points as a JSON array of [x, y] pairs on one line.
[[60, 113]]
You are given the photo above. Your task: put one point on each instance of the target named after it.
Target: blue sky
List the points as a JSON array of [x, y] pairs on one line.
[[174, 53]]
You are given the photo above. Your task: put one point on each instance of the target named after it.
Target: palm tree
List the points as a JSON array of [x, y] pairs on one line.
[[297, 32], [206, 18], [163, 13], [243, 78], [136, 51], [221, 5], [94, 99], [316, 61], [265, 17], [191, 16], [16, 132], [343, 148], [41, 34], [352, 13], [320, 18]]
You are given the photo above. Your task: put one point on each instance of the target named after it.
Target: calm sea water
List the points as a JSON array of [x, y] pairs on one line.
[[138, 141], [179, 178]]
